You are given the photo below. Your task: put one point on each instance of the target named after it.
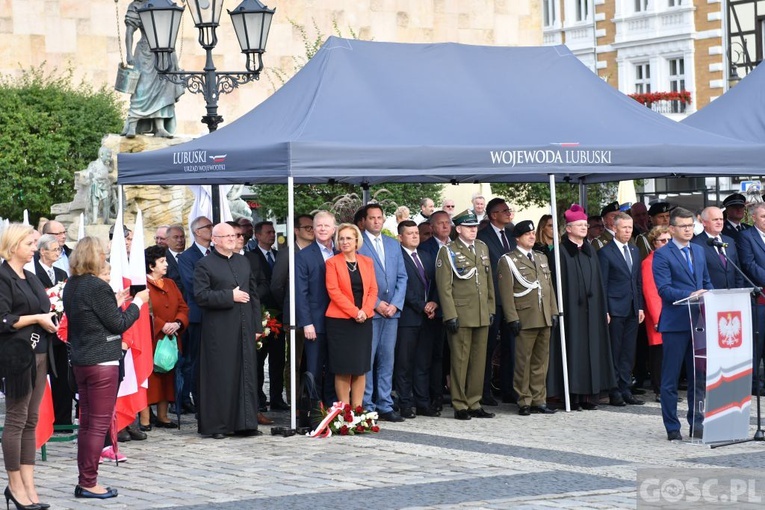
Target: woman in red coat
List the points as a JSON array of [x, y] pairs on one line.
[[170, 316], [657, 237], [352, 289]]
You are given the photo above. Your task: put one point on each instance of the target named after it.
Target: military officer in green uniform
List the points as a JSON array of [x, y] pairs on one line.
[[531, 310], [607, 213], [466, 291], [659, 213]]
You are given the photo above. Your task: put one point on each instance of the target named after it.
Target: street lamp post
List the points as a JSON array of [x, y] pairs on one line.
[[160, 21]]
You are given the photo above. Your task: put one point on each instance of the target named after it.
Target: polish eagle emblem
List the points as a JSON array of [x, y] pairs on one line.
[[729, 329]]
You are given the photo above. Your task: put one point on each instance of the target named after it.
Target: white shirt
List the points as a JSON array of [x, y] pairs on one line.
[[327, 253]]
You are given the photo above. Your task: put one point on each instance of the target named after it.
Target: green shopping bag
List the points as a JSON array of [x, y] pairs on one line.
[[166, 355]]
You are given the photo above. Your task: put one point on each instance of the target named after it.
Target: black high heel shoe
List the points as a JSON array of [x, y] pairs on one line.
[[9, 497]]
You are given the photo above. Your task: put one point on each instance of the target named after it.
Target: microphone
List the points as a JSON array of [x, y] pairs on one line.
[[714, 242]]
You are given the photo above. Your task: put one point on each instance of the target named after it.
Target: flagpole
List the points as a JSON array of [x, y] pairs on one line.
[[558, 282], [291, 252]]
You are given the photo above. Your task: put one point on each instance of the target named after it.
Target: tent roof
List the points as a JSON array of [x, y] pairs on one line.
[[739, 113], [370, 112]]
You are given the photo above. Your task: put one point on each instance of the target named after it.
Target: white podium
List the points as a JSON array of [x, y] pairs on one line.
[[722, 351]]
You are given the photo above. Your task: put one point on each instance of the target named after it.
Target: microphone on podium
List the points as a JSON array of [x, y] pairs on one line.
[[714, 242]]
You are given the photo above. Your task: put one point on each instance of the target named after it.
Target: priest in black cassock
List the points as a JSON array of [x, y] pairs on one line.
[[588, 349], [226, 291]]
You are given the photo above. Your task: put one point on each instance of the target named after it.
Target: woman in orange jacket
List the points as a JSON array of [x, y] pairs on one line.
[[352, 290]]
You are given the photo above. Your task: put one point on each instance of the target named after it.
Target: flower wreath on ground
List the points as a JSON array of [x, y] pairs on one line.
[[343, 420], [271, 326]]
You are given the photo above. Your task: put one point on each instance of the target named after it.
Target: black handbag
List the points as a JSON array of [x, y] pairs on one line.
[[17, 362]]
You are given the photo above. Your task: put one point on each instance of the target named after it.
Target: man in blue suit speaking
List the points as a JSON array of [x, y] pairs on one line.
[[680, 271]]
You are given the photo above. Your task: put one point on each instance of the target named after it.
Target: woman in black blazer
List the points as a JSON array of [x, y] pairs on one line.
[[24, 314], [96, 325]]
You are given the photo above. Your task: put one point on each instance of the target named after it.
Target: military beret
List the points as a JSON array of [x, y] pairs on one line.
[[523, 227], [465, 218], [658, 208], [734, 199], [612, 207]]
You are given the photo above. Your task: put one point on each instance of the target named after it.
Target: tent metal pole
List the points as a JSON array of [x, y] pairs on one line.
[[582, 194], [558, 280], [291, 253]]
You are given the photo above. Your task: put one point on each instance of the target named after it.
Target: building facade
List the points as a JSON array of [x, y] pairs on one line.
[[674, 56], [88, 37]]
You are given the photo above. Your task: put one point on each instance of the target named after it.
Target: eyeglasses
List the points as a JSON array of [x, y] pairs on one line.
[[449, 207], [689, 226], [662, 241], [204, 227], [229, 236], [307, 228], [55, 250]]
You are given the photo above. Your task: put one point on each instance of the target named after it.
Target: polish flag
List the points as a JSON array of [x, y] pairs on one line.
[[46, 418], [139, 359]]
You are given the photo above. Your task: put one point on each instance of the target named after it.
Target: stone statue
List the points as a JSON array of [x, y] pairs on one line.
[[238, 207], [152, 105], [100, 204]]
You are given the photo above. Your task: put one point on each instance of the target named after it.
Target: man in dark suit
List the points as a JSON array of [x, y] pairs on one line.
[[441, 227], [722, 272], [280, 290], [751, 248], [201, 229], [620, 267], [312, 300], [391, 289], [498, 237], [176, 243], [415, 341], [264, 257], [48, 251], [680, 271], [57, 229], [735, 210]]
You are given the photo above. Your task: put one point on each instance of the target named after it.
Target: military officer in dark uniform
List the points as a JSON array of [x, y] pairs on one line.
[[735, 210], [607, 213], [531, 310], [466, 291], [659, 213]]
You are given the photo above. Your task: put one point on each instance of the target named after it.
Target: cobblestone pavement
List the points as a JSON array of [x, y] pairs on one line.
[[568, 460]]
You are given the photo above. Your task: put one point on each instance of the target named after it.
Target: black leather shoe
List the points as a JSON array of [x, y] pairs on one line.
[[489, 401], [437, 404], [629, 399], [279, 406], [637, 391], [588, 406], [144, 428], [189, 408], [674, 435], [408, 413], [218, 436], [616, 401], [461, 414], [79, 492], [480, 413], [166, 424], [42, 506], [392, 416], [248, 433], [542, 410], [123, 436], [427, 411], [136, 435], [524, 411]]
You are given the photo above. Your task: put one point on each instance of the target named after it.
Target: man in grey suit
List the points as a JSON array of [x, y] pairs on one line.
[[391, 283]]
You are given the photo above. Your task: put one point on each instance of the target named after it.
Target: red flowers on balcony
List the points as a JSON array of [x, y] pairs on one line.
[[647, 98]]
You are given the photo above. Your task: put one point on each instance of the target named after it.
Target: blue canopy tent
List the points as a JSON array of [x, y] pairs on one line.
[[370, 112], [739, 113]]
